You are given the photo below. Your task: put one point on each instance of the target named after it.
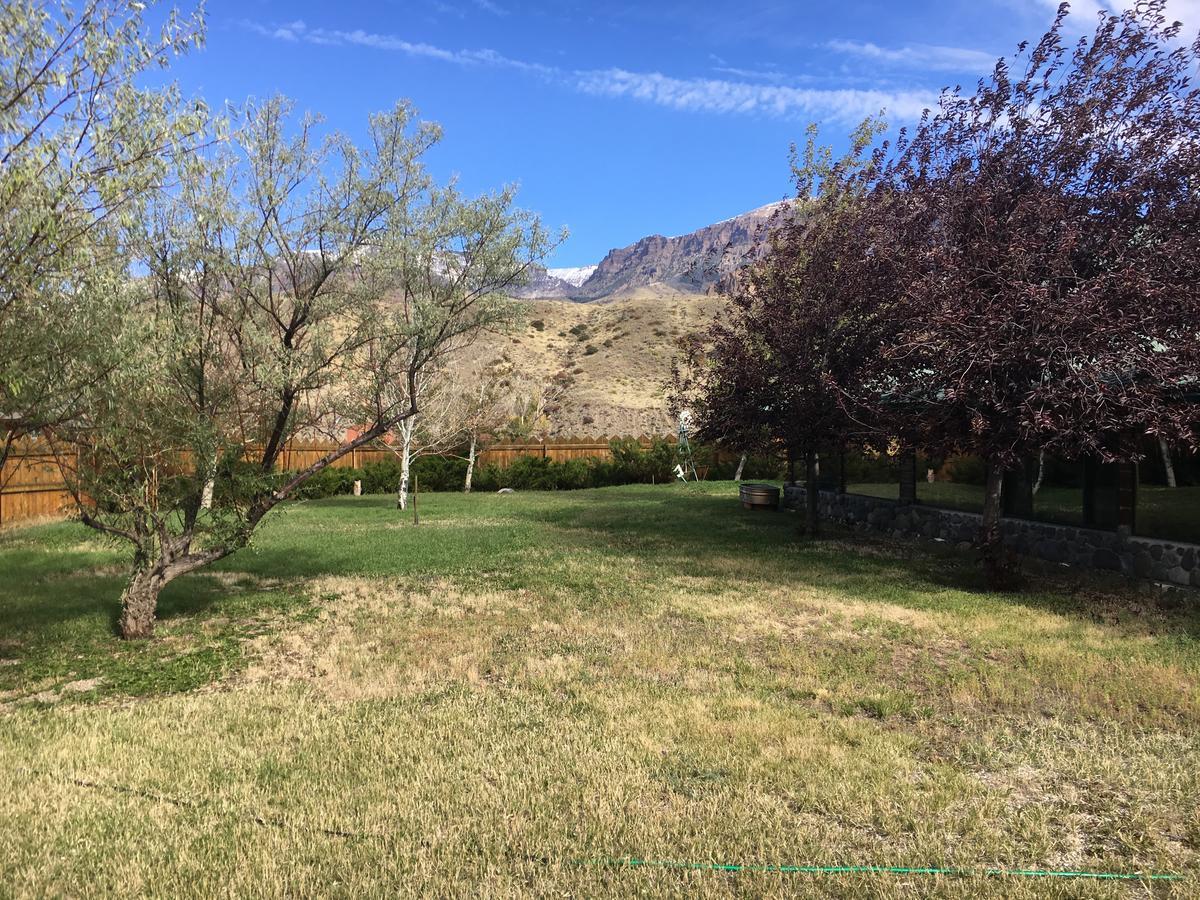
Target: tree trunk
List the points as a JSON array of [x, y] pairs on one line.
[[1167, 464], [998, 564], [470, 466], [812, 495], [206, 493], [405, 464], [139, 603], [1037, 484], [737, 476]]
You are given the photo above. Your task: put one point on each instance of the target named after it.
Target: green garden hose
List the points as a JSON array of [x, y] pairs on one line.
[[631, 862], [879, 870]]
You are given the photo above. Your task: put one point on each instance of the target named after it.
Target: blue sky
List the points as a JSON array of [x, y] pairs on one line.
[[618, 119]]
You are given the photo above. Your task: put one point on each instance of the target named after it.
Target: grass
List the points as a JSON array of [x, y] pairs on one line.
[[1162, 512], [525, 682]]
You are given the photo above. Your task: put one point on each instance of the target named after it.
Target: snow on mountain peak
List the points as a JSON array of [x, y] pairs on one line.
[[574, 275]]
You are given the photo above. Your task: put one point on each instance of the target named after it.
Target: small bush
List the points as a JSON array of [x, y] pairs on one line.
[[381, 477], [870, 468], [328, 482], [630, 464], [965, 470], [440, 473]]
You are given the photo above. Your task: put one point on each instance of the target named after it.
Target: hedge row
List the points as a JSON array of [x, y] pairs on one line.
[[630, 464]]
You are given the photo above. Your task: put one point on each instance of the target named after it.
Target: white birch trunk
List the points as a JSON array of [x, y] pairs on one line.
[[1037, 485], [406, 436], [737, 476], [206, 494], [1167, 464], [470, 466]]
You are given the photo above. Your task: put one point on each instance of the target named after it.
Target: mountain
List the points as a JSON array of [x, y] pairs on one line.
[[574, 276], [605, 366], [689, 263], [541, 285], [601, 339]]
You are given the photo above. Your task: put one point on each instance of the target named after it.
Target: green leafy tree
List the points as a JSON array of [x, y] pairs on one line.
[[278, 303], [81, 143], [451, 247]]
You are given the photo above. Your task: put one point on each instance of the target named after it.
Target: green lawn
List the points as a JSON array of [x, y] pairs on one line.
[[526, 685], [1162, 512]]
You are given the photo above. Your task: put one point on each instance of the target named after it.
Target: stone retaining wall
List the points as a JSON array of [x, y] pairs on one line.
[[1171, 562]]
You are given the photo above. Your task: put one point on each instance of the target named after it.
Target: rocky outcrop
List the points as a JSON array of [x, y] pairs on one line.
[[690, 262], [543, 285]]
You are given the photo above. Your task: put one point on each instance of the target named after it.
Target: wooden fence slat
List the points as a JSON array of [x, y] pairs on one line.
[[32, 485]]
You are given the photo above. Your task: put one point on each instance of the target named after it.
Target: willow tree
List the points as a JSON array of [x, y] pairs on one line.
[[451, 249], [269, 311], [81, 142]]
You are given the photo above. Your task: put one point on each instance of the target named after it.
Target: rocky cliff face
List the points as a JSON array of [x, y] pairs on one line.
[[690, 262], [544, 285]]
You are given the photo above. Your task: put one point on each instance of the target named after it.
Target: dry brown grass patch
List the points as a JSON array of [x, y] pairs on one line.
[[379, 638]]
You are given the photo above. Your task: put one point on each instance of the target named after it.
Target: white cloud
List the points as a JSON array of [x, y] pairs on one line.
[[688, 94], [1083, 12], [924, 56], [757, 74], [494, 8], [298, 31], [720, 96]]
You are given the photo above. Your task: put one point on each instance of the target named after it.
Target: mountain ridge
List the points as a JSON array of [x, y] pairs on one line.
[[688, 263]]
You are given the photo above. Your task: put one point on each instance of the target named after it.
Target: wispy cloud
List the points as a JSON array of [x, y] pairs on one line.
[[709, 95], [460, 12], [756, 74], [922, 56], [721, 96], [489, 7], [1083, 12], [298, 31]]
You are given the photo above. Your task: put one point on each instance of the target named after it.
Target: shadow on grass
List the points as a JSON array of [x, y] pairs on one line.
[[33, 601], [58, 614], [684, 531], [60, 588]]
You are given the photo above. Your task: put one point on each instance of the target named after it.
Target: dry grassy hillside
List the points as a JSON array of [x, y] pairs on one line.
[[612, 358]]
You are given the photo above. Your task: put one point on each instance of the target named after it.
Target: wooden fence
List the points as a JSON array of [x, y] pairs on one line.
[[559, 450], [32, 484]]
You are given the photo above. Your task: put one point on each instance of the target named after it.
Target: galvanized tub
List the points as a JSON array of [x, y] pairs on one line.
[[759, 496]]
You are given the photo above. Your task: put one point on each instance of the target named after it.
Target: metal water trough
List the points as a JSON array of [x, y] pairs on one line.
[[759, 496]]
